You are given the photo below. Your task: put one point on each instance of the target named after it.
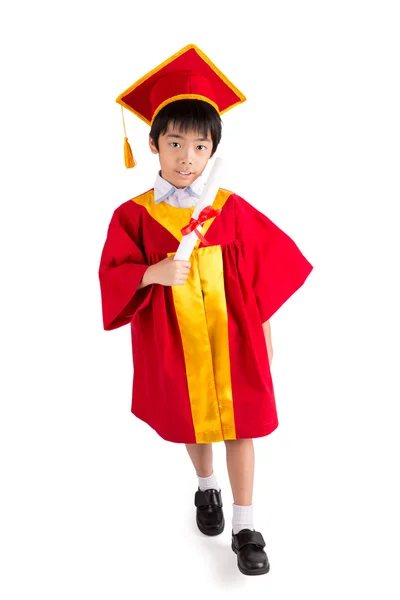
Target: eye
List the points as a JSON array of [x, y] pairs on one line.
[[201, 147], [175, 144]]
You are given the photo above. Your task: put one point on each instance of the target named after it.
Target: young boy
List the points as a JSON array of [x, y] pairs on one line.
[[200, 328]]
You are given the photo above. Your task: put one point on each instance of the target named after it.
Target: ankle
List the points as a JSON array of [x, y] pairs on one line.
[[208, 483], [242, 518], [205, 473]]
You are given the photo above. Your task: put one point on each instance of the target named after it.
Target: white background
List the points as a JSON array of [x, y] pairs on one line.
[[93, 503]]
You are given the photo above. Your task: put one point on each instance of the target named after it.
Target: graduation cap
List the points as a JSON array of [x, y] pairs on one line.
[[188, 74]]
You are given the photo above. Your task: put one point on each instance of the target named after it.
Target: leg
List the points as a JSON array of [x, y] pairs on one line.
[[247, 543], [202, 458], [240, 464], [209, 514]]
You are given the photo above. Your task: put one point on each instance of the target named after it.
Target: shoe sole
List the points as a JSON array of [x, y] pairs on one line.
[[210, 532], [252, 572]]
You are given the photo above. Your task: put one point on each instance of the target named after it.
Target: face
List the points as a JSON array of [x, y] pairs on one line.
[[183, 155]]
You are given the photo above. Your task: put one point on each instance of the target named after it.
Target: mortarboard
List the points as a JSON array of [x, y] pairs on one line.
[[188, 74]]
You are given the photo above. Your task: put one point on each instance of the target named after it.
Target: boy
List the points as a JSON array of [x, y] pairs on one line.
[[200, 328]]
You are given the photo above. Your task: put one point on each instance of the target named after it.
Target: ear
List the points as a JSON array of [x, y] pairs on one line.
[[152, 146]]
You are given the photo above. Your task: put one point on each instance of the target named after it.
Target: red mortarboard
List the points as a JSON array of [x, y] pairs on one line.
[[188, 74]]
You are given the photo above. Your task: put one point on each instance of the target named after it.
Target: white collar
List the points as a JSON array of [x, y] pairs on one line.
[[163, 189]]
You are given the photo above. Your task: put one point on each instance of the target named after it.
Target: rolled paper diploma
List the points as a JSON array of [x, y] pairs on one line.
[[211, 188]]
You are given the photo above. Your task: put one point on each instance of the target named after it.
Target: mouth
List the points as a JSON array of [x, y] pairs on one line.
[[184, 173]]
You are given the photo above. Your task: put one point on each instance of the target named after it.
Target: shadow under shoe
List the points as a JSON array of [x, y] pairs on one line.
[[251, 559], [209, 514]]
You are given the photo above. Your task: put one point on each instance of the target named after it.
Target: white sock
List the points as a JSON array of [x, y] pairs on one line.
[[242, 518], [209, 483]]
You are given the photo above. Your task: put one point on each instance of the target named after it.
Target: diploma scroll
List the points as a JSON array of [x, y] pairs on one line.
[[211, 188]]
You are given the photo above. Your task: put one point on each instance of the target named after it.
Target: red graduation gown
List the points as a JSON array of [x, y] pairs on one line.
[[201, 370]]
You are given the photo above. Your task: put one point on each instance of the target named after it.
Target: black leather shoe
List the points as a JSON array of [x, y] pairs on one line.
[[251, 558], [209, 514]]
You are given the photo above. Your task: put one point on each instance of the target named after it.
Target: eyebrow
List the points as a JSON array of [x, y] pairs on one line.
[[180, 137]]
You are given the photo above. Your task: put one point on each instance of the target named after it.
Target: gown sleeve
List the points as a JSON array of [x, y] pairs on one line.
[[276, 266], [121, 270]]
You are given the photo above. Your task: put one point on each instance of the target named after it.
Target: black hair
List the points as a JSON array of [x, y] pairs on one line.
[[187, 114]]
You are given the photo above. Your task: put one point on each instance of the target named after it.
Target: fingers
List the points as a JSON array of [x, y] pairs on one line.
[[181, 278], [183, 267], [184, 263], [181, 270]]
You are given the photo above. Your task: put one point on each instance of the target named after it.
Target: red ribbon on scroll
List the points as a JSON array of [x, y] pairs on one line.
[[206, 214]]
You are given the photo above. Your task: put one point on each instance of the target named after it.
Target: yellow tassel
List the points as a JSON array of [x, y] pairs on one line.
[[129, 160]]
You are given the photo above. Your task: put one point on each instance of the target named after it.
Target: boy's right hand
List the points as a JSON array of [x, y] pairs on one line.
[[168, 272]]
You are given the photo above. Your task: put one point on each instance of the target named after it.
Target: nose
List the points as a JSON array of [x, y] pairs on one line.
[[187, 156]]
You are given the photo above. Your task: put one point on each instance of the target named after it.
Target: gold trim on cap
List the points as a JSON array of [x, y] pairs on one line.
[[241, 96], [183, 97]]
